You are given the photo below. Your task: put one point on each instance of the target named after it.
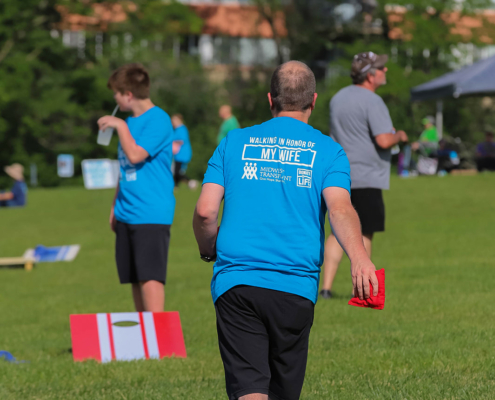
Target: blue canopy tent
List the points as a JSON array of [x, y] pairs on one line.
[[474, 80]]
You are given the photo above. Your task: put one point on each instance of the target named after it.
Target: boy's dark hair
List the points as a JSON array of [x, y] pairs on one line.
[[131, 78], [293, 87]]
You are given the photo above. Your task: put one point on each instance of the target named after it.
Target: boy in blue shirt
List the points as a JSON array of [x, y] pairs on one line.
[[182, 149], [16, 196], [277, 180], [144, 203]]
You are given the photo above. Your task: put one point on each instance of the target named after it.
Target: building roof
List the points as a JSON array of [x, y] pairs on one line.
[[480, 25], [238, 21], [103, 15], [219, 19]]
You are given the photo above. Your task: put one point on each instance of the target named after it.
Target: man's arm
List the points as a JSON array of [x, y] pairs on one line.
[[205, 220], [176, 145], [132, 150], [388, 140], [347, 229], [6, 196]]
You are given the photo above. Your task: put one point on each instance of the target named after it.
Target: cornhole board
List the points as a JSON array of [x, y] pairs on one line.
[[26, 262], [126, 336], [53, 254]]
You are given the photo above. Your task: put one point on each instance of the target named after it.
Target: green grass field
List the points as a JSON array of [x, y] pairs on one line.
[[435, 339]]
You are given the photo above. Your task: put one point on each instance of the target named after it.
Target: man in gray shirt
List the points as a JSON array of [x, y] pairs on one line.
[[361, 124]]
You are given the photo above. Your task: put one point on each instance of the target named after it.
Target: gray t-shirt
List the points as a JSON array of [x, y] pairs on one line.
[[357, 116]]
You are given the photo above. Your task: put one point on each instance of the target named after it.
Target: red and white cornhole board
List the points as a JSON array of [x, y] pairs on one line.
[[150, 335]]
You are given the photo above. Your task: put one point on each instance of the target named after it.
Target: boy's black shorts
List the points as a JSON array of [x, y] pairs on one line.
[[263, 338], [141, 252], [370, 208]]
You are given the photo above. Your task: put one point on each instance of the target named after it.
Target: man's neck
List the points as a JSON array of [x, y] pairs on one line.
[[141, 106], [302, 116], [367, 85]]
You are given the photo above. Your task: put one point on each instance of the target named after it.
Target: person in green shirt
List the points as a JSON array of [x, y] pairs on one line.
[[229, 122], [428, 140]]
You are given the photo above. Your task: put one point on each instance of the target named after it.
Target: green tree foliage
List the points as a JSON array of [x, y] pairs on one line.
[[40, 81], [51, 96]]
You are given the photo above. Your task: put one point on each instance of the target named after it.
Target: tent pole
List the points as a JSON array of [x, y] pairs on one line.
[[439, 118]]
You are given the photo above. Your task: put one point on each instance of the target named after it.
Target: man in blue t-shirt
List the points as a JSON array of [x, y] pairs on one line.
[[181, 148], [16, 196], [144, 203], [277, 180]]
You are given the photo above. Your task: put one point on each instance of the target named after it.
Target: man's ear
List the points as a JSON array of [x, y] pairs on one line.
[[315, 96], [270, 101]]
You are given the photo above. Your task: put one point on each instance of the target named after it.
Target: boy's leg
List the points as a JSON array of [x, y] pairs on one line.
[[150, 245], [333, 256], [138, 297], [153, 295], [177, 174]]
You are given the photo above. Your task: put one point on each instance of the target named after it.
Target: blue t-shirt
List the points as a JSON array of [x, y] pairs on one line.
[[146, 190], [272, 231], [19, 190], [185, 153]]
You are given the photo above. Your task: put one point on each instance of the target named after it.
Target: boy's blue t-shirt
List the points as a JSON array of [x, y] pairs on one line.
[[19, 190], [185, 153], [146, 190], [272, 231]]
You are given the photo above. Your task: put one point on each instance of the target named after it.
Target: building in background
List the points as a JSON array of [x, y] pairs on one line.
[[233, 33]]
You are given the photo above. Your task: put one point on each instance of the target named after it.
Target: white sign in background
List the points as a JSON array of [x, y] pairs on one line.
[[65, 165], [101, 173]]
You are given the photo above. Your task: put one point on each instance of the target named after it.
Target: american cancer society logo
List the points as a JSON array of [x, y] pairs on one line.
[[304, 177]]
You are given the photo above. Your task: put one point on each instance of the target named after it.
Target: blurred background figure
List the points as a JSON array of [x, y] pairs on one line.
[[229, 122], [17, 195], [485, 153], [182, 151], [428, 140]]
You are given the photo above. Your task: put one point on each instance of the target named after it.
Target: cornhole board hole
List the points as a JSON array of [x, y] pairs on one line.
[[126, 336]]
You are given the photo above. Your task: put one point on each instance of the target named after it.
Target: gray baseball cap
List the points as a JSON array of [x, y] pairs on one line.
[[363, 62]]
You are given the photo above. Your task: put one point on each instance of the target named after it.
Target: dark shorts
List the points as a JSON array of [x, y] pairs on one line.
[[369, 205], [141, 252], [263, 338], [179, 173]]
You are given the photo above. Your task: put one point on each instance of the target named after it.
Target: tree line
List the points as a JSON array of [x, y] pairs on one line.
[[51, 95]]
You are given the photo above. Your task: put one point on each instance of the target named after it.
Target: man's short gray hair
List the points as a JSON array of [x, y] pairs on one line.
[[357, 79], [293, 87]]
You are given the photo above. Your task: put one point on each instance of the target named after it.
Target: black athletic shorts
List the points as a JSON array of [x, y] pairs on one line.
[[141, 252], [263, 338], [369, 205]]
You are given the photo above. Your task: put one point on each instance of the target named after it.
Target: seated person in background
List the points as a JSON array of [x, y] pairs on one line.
[[485, 153], [181, 150], [448, 159], [17, 195], [428, 140]]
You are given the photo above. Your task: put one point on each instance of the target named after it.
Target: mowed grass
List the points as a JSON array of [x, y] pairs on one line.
[[433, 340]]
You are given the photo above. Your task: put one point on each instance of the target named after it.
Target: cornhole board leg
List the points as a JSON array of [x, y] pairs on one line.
[[126, 336], [28, 266]]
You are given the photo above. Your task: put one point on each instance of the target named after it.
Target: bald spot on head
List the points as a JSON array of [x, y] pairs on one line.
[[293, 87]]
